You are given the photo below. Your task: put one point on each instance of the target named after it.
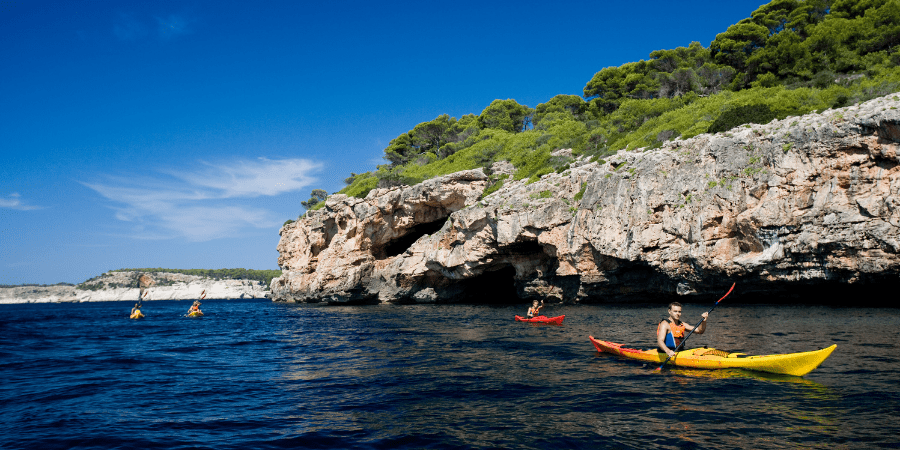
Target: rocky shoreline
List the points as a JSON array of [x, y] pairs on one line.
[[795, 204], [122, 286]]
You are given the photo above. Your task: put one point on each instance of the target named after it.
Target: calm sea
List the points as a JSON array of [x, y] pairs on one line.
[[255, 374]]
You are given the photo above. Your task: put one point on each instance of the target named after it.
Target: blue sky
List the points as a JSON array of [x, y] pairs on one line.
[[183, 134]]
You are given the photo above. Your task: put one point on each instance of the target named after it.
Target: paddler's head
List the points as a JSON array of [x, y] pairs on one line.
[[675, 311]]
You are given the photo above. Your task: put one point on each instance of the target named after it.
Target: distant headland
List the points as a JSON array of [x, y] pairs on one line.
[[167, 284]]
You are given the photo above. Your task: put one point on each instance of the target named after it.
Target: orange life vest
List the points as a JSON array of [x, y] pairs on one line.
[[675, 335]]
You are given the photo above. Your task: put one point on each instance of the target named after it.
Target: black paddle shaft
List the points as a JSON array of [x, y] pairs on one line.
[[681, 344]]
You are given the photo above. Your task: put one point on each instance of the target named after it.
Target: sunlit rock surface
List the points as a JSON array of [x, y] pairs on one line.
[[803, 206]]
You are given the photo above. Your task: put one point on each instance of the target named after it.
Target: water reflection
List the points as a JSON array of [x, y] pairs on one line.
[[472, 376], [742, 373]]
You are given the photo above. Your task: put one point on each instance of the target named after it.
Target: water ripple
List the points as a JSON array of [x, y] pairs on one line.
[[254, 374]]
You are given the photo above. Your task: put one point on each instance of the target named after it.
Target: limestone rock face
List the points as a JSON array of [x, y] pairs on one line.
[[793, 203], [124, 286], [336, 254]]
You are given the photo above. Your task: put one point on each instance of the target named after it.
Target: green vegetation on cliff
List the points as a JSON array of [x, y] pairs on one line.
[[263, 276], [790, 57], [34, 285]]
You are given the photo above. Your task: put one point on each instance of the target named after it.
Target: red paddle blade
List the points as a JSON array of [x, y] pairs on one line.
[[726, 294]]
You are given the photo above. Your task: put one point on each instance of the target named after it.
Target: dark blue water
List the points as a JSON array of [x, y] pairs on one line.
[[254, 374]]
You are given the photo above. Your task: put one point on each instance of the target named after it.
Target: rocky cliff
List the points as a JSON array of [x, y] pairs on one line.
[[803, 206], [124, 286]]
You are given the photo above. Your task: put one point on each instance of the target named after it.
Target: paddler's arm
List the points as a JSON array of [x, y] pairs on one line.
[[702, 326], [661, 339]]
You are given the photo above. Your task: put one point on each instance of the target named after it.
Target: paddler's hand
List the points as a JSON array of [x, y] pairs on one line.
[[671, 353], [705, 316]]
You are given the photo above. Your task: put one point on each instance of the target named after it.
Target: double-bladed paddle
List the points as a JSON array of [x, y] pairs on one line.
[[681, 344]]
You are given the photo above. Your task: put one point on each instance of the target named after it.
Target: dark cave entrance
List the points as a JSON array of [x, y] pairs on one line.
[[401, 244], [529, 247], [496, 287]]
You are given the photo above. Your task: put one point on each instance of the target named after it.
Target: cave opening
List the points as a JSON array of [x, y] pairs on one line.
[[497, 287], [526, 247], [401, 244]]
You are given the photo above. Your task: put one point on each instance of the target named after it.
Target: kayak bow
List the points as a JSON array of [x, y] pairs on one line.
[[797, 364]]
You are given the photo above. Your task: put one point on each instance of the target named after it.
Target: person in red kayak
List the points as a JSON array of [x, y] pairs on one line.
[[533, 311], [670, 330]]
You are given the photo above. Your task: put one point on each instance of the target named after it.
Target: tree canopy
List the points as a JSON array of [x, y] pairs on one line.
[[263, 276], [506, 115], [789, 57], [316, 196]]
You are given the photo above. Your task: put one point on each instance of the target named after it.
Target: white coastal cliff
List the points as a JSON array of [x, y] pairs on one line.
[[121, 286]]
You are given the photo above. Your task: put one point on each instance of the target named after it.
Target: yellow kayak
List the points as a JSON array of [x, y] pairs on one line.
[[797, 364], [137, 315], [195, 314]]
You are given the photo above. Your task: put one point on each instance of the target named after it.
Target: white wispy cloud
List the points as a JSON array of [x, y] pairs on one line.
[[171, 26], [128, 28], [253, 178], [206, 202], [14, 201]]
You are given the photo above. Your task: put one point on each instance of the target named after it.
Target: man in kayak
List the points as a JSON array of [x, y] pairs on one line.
[[533, 311], [136, 309], [670, 330], [195, 308]]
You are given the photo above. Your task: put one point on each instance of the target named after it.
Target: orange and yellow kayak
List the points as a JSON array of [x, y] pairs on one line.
[[797, 364]]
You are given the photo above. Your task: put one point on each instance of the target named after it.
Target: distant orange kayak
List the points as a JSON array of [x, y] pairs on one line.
[[797, 364], [542, 319]]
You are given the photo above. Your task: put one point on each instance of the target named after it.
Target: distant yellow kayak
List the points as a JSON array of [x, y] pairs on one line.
[[195, 314], [797, 364], [137, 315]]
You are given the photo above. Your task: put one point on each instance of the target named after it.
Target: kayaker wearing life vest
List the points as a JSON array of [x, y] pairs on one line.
[[533, 311], [670, 330], [136, 309], [195, 308]]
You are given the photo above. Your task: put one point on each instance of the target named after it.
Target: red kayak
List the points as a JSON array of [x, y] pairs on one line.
[[542, 319]]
